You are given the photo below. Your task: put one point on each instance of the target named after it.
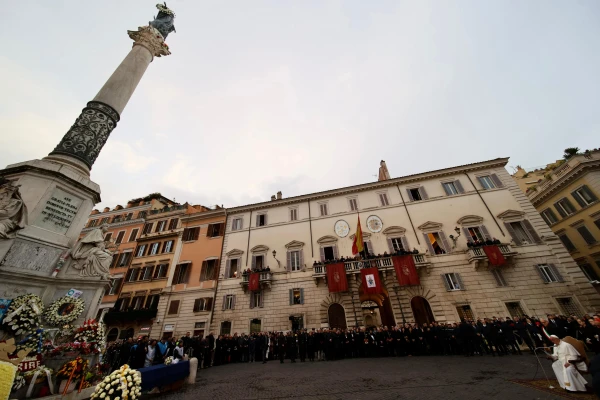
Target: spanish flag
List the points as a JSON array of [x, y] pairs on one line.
[[358, 244]]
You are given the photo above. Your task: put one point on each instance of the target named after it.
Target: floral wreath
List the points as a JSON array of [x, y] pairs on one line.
[[123, 384], [168, 360], [91, 332], [51, 313], [23, 314]]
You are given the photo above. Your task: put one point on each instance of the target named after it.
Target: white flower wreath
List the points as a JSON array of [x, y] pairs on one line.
[[124, 383], [23, 314], [168, 360], [53, 318]]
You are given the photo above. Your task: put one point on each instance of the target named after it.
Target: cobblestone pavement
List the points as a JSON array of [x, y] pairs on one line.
[[452, 377]]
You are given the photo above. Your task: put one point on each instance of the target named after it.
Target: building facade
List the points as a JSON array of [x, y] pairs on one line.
[[567, 199], [432, 214]]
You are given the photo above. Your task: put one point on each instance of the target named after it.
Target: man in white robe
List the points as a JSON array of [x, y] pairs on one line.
[[567, 358]]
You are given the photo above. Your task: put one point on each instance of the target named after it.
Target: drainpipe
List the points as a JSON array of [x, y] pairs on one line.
[[407, 213], [248, 246], [485, 204], [212, 310], [312, 252]]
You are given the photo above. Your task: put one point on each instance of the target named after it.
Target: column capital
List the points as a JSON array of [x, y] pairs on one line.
[[150, 38]]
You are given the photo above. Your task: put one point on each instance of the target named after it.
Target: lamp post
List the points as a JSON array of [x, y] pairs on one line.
[[455, 238], [274, 254], [400, 304], [354, 309]]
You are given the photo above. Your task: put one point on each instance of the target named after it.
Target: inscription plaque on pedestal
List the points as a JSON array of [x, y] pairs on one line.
[[59, 212]]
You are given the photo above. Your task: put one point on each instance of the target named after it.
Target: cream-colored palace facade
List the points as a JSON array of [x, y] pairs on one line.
[[418, 211]]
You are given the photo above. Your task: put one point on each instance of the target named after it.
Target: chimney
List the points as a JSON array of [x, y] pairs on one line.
[[273, 198], [384, 174], [106, 209], [279, 195]]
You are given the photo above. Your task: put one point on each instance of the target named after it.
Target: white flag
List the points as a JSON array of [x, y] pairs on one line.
[[370, 280]]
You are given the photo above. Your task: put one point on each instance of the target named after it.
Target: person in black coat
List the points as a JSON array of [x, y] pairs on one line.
[[281, 346], [302, 341], [310, 346], [292, 346]]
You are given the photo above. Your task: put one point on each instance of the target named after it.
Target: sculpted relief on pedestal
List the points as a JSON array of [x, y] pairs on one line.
[[92, 255], [13, 212]]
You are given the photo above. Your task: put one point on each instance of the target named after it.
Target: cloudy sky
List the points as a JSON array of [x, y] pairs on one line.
[[302, 96]]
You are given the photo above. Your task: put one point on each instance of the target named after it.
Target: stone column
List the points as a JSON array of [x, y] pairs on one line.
[[81, 145]]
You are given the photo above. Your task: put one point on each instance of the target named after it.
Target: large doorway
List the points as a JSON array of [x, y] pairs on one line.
[[421, 310], [255, 325], [329, 253], [337, 316]]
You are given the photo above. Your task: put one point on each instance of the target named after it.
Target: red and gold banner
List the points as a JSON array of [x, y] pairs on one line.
[[336, 278], [494, 255], [406, 272], [254, 282], [370, 281], [358, 244]]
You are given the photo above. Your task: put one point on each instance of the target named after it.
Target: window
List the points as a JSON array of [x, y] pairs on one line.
[[329, 253], [147, 229], [417, 194], [293, 214], [124, 259], [589, 272], [128, 216], [500, 281], [383, 199], [323, 209], [154, 248], [396, 244], [261, 220], [133, 274], [108, 237], [549, 216], [296, 296], [133, 235], [137, 302], [93, 222], [209, 270], [146, 274], [256, 299], [181, 274], [584, 196], [514, 309], [586, 234], [232, 268], [564, 207], [522, 232], [568, 305], [294, 260], [115, 285], [120, 305], [474, 233], [160, 226], [225, 328], [490, 181], [152, 302], [115, 261], [236, 224], [453, 281], [173, 223], [119, 238], [465, 312], [549, 273], [161, 271], [141, 250], [453, 188], [437, 243], [173, 307], [353, 202], [215, 230], [190, 234], [258, 262], [167, 246], [104, 221], [229, 302], [597, 222], [203, 304], [567, 242], [142, 214]]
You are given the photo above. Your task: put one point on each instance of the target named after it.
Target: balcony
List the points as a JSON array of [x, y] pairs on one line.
[[477, 257], [114, 316], [264, 280]]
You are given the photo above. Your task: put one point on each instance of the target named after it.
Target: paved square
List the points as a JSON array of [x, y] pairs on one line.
[[449, 377]]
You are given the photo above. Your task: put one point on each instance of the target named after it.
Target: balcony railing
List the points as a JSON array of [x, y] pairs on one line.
[[476, 254], [129, 315], [265, 279]]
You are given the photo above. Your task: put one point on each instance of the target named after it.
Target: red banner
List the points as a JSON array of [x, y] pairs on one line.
[[254, 282], [494, 255], [370, 281], [336, 278], [406, 272]]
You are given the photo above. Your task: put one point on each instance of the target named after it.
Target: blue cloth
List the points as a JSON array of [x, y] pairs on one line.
[[162, 347], [161, 375]]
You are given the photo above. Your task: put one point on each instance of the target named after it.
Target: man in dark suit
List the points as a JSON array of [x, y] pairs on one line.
[[281, 346]]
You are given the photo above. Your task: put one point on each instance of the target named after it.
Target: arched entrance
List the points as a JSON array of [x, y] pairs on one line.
[[421, 310], [337, 316], [113, 334]]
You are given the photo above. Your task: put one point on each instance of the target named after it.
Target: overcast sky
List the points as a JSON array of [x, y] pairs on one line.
[[302, 96]]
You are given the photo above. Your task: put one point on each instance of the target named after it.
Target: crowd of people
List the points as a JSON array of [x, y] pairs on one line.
[[487, 336]]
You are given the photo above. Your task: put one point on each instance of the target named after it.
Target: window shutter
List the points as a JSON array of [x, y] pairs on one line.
[[227, 269], [291, 297], [252, 300], [578, 198], [370, 247], [480, 179], [591, 194], [531, 231], [253, 262], [567, 242], [405, 245], [539, 271], [485, 232], [500, 281], [224, 301], [322, 253], [445, 282], [221, 229], [512, 233], [586, 234], [429, 246], [215, 271], [265, 219], [261, 302], [301, 296], [301, 258], [560, 209], [496, 181], [335, 252], [423, 193], [196, 233], [209, 303], [116, 258], [569, 205], [446, 190], [459, 186], [257, 220], [410, 196], [186, 271], [197, 305], [288, 266], [391, 246], [445, 242], [460, 282], [233, 302], [557, 274], [468, 236]]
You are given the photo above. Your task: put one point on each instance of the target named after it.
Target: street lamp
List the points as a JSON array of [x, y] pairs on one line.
[[400, 304], [455, 238], [274, 254]]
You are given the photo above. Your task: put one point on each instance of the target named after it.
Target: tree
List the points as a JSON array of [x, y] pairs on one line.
[[570, 152]]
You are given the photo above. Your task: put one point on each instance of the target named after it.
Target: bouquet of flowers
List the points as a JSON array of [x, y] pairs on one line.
[[90, 332], [41, 373], [75, 367], [168, 360], [23, 314], [76, 347], [33, 342], [124, 383], [64, 310]]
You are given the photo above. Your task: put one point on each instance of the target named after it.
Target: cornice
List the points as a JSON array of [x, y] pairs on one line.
[[556, 186], [204, 215], [121, 211]]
